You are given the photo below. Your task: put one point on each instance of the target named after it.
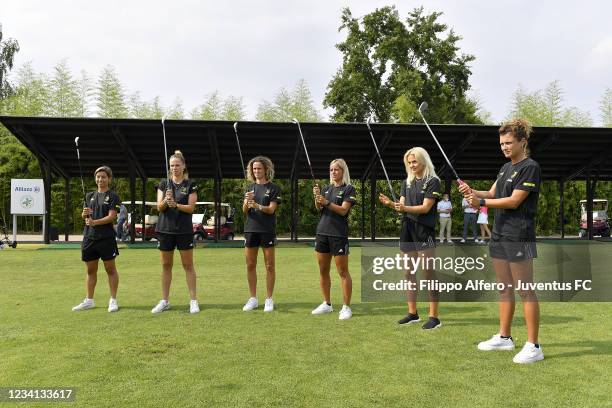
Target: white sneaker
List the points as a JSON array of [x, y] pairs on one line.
[[113, 306], [477, 241], [450, 242], [194, 307], [269, 305], [84, 305], [251, 304], [496, 343], [462, 241], [322, 309], [529, 354], [345, 313], [162, 306]]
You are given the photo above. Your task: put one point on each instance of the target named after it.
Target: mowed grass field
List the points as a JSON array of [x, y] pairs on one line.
[[288, 358]]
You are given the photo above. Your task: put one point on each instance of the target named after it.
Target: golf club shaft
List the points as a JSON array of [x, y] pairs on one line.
[[381, 161], [440, 147], [305, 150], [166, 152], [244, 170], [81, 173]]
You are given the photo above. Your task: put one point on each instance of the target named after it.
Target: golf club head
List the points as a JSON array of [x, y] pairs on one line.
[[423, 107], [236, 127], [76, 141], [163, 119], [294, 120]]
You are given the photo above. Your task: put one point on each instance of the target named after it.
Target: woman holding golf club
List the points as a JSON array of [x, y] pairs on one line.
[[334, 202], [514, 197], [417, 203], [176, 199], [261, 200], [99, 238]]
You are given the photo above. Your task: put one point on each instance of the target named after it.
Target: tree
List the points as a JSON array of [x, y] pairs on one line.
[[8, 49], [606, 108], [64, 93], [545, 108], [110, 95], [389, 67], [217, 108], [288, 105]]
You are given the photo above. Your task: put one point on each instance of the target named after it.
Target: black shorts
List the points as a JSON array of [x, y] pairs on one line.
[[105, 249], [167, 242], [416, 237], [337, 246], [259, 239], [512, 250]]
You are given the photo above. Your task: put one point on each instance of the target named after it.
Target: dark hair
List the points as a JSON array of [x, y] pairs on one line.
[[105, 169], [520, 128]]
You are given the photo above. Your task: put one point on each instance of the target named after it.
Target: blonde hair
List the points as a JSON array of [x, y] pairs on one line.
[[179, 155], [268, 167], [422, 157], [346, 177]]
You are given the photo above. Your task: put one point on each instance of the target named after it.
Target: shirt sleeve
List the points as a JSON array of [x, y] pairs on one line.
[[162, 185], [275, 195], [193, 188], [350, 194], [528, 178], [433, 188], [403, 190], [115, 202]]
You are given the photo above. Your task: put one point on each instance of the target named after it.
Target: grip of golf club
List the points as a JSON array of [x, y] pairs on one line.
[[461, 182]]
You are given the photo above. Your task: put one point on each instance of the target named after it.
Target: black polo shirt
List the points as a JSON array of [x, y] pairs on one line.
[[258, 221], [171, 220], [518, 224], [101, 204], [332, 224], [419, 190]]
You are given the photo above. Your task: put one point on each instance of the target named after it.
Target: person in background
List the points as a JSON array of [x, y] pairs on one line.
[[483, 222], [445, 208], [470, 216]]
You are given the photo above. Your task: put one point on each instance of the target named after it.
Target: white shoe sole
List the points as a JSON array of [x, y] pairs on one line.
[[78, 309], [498, 348], [113, 310], [540, 357], [162, 310]]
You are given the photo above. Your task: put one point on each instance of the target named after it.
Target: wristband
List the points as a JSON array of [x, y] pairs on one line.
[[482, 202]]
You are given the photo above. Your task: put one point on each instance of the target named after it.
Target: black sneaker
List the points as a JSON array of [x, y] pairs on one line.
[[409, 319], [432, 323]]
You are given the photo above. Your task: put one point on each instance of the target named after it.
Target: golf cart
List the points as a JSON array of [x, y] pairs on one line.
[[151, 217], [601, 221], [203, 220]]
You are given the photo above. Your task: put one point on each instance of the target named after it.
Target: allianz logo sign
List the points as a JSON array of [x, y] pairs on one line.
[[34, 189]]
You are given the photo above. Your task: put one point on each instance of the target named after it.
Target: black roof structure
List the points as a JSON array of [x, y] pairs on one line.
[[563, 153], [134, 148]]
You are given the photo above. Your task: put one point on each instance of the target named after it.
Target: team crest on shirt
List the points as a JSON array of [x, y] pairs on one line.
[[183, 190], [106, 199], [268, 193]]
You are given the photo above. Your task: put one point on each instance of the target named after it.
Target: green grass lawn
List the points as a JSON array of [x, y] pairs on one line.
[[225, 357]]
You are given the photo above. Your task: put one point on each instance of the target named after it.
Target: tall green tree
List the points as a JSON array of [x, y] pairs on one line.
[[606, 108], [389, 66], [287, 105], [64, 93], [110, 95], [215, 107], [545, 107], [8, 49]]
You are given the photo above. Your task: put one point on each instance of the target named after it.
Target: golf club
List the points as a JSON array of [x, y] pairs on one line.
[[239, 150], [381, 160], [422, 108], [305, 150], [167, 171], [76, 142]]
